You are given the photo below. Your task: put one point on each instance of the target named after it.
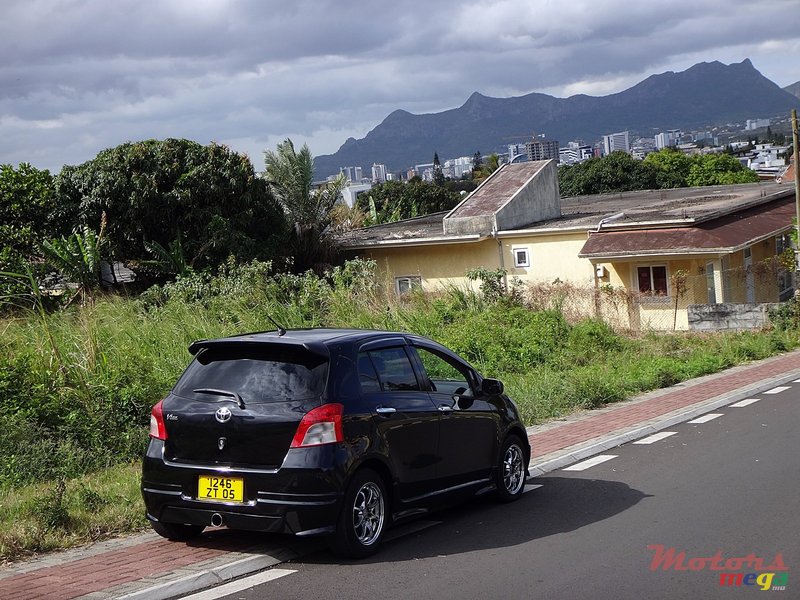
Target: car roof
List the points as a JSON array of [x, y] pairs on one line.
[[313, 339]]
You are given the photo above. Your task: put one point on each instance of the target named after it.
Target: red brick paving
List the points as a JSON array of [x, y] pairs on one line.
[[112, 568], [595, 425], [157, 557]]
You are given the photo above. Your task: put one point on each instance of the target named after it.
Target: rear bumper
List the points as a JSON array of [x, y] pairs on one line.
[[302, 497]]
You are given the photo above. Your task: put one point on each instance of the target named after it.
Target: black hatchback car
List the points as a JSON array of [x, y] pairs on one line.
[[326, 432]]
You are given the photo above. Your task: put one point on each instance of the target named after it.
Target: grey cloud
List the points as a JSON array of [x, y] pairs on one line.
[[79, 76]]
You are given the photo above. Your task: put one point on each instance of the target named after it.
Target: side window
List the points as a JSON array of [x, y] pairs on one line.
[[367, 375], [445, 376], [394, 369]]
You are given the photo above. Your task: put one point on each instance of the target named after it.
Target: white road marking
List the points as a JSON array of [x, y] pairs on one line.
[[532, 486], [656, 437], [706, 418], [777, 390], [796, 381], [586, 464], [747, 402], [240, 584]]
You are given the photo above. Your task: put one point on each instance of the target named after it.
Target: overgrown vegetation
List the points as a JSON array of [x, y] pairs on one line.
[[76, 386]]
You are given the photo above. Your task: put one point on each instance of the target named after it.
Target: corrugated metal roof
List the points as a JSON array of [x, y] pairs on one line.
[[722, 234]]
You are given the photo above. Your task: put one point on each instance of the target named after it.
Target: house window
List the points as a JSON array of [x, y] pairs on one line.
[[522, 257], [403, 285], [652, 280]]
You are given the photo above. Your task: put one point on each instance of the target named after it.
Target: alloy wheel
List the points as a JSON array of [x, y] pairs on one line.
[[513, 469]]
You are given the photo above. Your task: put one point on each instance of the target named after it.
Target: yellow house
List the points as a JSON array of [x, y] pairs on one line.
[[658, 250]]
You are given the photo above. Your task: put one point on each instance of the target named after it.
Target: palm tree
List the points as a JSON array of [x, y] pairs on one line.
[[290, 177]]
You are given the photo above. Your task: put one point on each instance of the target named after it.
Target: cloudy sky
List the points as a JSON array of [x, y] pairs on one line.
[[78, 76]]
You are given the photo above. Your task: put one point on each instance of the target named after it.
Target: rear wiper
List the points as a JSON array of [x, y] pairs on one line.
[[216, 392]]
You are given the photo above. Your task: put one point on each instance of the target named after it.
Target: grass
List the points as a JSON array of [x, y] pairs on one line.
[[43, 517], [78, 380]]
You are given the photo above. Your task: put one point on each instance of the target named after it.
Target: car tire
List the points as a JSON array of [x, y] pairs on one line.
[[177, 531], [363, 517], [510, 474]]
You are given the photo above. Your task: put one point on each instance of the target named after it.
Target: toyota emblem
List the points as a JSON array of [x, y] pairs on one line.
[[223, 415]]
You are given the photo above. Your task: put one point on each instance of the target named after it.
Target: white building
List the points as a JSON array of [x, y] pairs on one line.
[[766, 158], [352, 190], [352, 173], [756, 124], [574, 152], [669, 138], [378, 173], [515, 150], [616, 141], [456, 168]]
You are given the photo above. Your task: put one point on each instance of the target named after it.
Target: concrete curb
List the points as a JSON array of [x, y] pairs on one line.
[[567, 456], [212, 577]]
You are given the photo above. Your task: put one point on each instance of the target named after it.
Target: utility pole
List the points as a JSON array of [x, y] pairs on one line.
[[795, 152]]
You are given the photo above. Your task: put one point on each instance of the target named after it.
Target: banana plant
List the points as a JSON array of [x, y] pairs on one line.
[[77, 257]]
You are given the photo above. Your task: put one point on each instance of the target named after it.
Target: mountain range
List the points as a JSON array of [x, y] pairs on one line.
[[705, 94]]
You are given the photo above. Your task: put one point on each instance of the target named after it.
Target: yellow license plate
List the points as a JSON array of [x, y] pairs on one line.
[[225, 489]]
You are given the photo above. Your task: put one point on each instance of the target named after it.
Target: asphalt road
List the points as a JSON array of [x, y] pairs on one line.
[[730, 485]]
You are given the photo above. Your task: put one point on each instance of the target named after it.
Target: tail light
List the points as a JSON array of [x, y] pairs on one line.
[[323, 425], [157, 428]]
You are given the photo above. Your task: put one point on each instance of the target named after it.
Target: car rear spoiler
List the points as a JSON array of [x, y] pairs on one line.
[[316, 348]]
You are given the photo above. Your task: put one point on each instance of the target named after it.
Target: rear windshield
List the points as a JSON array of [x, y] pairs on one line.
[[258, 376]]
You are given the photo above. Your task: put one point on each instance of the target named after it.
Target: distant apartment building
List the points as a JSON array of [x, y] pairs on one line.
[[542, 149], [456, 168], [616, 141], [575, 152], [352, 173], [515, 150], [752, 124], [667, 139], [378, 173]]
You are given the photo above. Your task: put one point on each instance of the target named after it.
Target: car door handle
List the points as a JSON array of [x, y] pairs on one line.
[[385, 410], [445, 408]]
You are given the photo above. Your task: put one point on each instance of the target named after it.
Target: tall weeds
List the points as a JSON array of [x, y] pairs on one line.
[[77, 385]]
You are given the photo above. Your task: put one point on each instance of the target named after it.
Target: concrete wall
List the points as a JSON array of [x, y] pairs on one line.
[[723, 317], [436, 265], [552, 256], [537, 201]]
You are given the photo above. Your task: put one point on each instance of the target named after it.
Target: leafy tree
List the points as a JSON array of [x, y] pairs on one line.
[[28, 214], [155, 191], [477, 161], [308, 211], [395, 200], [718, 169], [672, 167], [617, 172], [489, 166], [438, 176]]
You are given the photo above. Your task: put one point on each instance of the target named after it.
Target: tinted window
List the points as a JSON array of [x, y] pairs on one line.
[[256, 375], [366, 374], [394, 369]]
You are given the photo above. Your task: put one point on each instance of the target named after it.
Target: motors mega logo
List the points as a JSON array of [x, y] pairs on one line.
[[750, 570]]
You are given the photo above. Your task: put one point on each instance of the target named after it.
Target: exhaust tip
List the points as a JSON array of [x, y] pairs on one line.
[[216, 520]]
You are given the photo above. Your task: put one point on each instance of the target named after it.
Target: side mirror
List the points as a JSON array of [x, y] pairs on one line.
[[492, 387]]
